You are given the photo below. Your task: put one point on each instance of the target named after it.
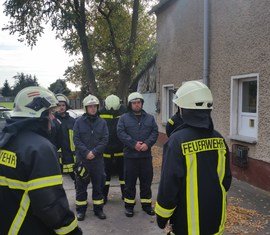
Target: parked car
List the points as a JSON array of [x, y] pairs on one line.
[[4, 114], [75, 113]]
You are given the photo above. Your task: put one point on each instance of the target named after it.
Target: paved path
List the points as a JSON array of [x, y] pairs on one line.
[[118, 224]]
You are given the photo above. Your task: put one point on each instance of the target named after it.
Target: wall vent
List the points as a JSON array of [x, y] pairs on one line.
[[240, 155]]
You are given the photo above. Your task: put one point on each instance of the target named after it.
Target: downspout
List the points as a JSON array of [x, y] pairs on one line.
[[206, 43]]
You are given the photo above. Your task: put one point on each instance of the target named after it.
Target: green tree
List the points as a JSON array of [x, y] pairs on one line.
[[6, 90], [22, 81], [60, 86], [133, 43], [67, 17], [106, 33], [122, 42]]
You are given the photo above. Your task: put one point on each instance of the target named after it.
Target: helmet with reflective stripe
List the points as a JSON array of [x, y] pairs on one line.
[[62, 98], [135, 96], [112, 102], [194, 95], [90, 100], [33, 101]]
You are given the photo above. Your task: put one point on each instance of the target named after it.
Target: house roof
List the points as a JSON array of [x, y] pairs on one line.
[[134, 83], [161, 6]]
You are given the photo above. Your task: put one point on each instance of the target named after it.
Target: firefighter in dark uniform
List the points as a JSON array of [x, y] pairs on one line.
[[113, 154], [195, 175], [174, 122], [138, 131], [67, 148], [32, 198], [55, 133], [90, 138]]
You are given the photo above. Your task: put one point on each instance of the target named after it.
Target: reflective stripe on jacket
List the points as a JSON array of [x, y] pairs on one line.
[[194, 180], [32, 198], [111, 117], [173, 122], [67, 147]]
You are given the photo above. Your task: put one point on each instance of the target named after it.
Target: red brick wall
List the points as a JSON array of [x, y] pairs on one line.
[[257, 173]]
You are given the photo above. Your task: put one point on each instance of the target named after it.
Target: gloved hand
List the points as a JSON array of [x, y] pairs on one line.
[[161, 222]]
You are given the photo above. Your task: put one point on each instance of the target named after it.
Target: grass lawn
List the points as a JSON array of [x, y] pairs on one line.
[[7, 104]]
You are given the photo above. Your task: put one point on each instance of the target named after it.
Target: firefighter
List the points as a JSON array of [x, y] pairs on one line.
[[55, 133], [195, 175], [90, 138], [174, 122], [114, 150], [138, 131], [32, 198], [67, 148]]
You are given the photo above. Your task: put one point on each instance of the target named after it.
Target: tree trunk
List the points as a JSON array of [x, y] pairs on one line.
[[123, 88], [126, 73], [86, 53], [124, 67], [88, 64]]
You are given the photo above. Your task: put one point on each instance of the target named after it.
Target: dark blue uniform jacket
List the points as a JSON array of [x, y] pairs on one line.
[[90, 134], [130, 129]]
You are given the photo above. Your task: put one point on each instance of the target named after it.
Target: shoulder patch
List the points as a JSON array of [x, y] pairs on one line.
[[8, 158]]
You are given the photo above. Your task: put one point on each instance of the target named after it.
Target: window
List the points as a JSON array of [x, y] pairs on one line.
[[249, 96], [168, 107], [244, 108]]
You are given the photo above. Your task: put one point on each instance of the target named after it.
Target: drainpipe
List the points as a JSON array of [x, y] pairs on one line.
[[206, 43]]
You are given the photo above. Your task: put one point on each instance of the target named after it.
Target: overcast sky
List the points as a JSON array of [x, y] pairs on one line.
[[47, 60]]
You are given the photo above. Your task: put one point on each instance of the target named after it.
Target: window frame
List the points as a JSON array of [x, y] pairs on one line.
[[165, 102], [235, 105]]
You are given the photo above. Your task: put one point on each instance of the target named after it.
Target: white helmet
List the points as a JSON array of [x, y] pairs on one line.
[[135, 96], [33, 101], [194, 95], [90, 100], [62, 98], [112, 102]]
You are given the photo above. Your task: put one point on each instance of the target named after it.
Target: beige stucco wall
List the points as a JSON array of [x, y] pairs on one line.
[[179, 38], [240, 44]]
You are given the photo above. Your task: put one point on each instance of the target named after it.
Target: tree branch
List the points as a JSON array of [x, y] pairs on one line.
[[133, 30], [112, 35]]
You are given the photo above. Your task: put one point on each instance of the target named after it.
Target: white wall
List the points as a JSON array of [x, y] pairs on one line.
[[150, 103]]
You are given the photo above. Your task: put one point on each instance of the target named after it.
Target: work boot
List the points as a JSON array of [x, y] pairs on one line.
[[149, 210], [100, 214], [80, 216], [129, 212]]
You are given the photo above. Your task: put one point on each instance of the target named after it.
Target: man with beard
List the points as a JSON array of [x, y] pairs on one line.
[[138, 131]]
